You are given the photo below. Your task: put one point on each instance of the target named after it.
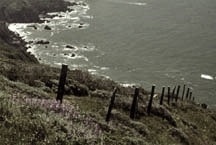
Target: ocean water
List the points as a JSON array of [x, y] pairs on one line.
[[145, 42]]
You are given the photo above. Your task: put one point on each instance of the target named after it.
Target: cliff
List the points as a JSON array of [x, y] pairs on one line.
[[29, 113], [28, 10]]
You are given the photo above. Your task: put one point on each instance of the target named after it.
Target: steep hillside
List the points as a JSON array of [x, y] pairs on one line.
[[29, 113]]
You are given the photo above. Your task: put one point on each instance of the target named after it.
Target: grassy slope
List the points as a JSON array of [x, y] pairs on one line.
[[194, 124], [30, 124]]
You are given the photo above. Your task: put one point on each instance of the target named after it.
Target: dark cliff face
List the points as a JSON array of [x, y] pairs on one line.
[[28, 10], [12, 47], [15, 11]]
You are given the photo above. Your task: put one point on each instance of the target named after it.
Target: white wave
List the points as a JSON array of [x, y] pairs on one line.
[[106, 77], [129, 3], [128, 85], [31, 50], [208, 77], [138, 4], [58, 63], [19, 28], [70, 56], [92, 70], [104, 68], [87, 48], [69, 49]]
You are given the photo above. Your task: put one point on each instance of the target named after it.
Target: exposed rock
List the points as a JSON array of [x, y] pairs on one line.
[[43, 42], [80, 26], [73, 55], [32, 26], [47, 27], [29, 11], [70, 46], [204, 106], [30, 42]]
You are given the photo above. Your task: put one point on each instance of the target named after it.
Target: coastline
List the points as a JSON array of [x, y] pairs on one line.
[[184, 123]]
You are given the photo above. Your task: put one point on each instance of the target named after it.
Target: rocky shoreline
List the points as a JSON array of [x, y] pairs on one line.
[[183, 123], [17, 11]]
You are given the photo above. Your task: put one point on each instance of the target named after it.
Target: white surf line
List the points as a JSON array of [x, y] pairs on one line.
[[138, 4], [207, 77], [129, 3]]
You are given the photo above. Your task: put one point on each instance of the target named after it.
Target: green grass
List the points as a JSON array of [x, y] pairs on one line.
[[23, 123]]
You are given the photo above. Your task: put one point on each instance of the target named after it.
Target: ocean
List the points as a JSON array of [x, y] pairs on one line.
[[141, 42]]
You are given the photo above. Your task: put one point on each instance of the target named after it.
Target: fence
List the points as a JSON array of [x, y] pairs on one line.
[[174, 97], [171, 97]]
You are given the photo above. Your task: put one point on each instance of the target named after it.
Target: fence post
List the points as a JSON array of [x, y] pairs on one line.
[[183, 92], [187, 94], [62, 81], [111, 105], [173, 93], [134, 104], [193, 99], [190, 98], [162, 95], [177, 93], [151, 99], [168, 100]]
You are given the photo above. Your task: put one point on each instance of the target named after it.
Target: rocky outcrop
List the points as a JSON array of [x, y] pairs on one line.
[[47, 27], [5, 34], [43, 42], [70, 46], [28, 11]]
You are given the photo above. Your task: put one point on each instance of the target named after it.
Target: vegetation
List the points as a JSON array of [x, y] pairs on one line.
[[29, 113]]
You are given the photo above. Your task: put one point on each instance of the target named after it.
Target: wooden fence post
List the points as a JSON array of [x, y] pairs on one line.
[[173, 93], [168, 100], [183, 92], [177, 93], [111, 105], [187, 94], [151, 99], [193, 99], [162, 95], [134, 104], [190, 97], [62, 82]]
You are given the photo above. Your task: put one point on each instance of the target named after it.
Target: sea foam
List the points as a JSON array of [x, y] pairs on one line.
[[207, 77]]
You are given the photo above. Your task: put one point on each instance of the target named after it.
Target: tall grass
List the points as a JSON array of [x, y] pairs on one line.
[[45, 121]]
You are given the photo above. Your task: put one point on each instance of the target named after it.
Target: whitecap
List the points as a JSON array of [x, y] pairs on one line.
[[88, 47], [104, 68], [138, 4], [128, 85], [106, 77], [129, 3], [58, 63], [19, 28], [208, 77], [32, 49]]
